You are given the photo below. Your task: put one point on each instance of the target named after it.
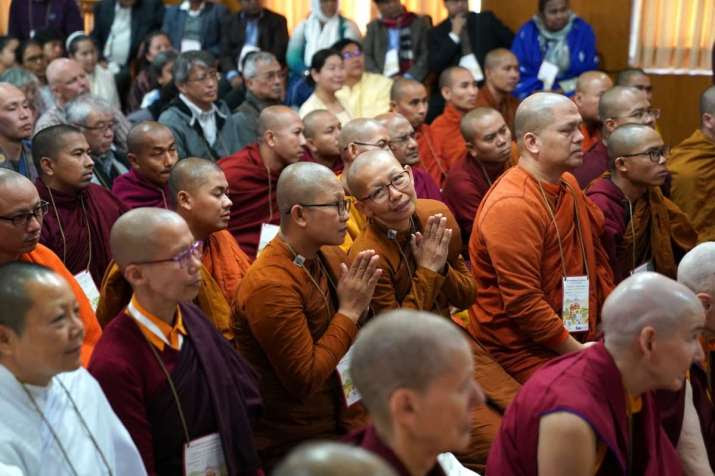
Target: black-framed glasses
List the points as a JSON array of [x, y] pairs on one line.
[[399, 182], [212, 75], [102, 126], [22, 219], [351, 54], [183, 259], [381, 144], [343, 206], [654, 155]]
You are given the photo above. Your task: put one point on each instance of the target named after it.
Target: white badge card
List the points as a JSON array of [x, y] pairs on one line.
[[349, 391], [268, 232], [190, 45], [647, 266], [85, 281], [547, 74], [392, 63], [575, 303], [470, 62], [205, 456]]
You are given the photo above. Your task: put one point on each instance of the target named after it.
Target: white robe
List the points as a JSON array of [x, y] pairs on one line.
[[27, 445]]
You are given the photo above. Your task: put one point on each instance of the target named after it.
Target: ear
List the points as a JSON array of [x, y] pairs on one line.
[[610, 124], [48, 166], [8, 338], [532, 143], [269, 138], [134, 275], [311, 145], [298, 216], [471, 150], [577, 99], [646, 340], [446, 92], [183, 200], [403, 407], [708, 120], [619, 164], [353, 151], [132, 158]]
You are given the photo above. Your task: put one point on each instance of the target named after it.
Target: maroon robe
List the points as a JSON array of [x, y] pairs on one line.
[[589, 385], [85, 229], [252, 189], [136, 191], [425, 186], [337, 165], [595, 163]]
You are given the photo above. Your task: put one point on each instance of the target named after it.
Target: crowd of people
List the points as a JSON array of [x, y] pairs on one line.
[[428, 250]]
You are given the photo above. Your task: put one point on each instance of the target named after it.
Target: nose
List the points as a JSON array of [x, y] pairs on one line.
[[302, 140], [34, 224], [578, 136], [226, 202], [88, 161], [77, 330], [168, 158]]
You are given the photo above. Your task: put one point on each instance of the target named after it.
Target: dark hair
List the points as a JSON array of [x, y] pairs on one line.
[[161, 60], [14, 299], [4, 40], [47, 142], [187, 60], [49, 34], [73, 45], [542, 5], [25, 44], [340, 44], [318, 61], [144, 47]]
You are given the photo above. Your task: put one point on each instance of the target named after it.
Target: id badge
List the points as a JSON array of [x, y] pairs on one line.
[[85, 281], [350, 392], [575, 303], [547, 74], [647, 266], [392, 64], [205, 456], [268, 232], [470, 62]]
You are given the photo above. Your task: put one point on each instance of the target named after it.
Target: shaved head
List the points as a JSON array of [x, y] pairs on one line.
[[275, 118], [474, 120], [15, 296], [332, 459], [302, 182], [10, 177], [629, 76], [446, 79], [590, 87], [401, 85], [18, 195], [391, 120], [496, 57], [359, 130], [56, 68], [314, 120], [593, 79], [135, 235], [364, 165], [142, 134], [536, 112], [697, 269], [190, 174], [707, 101], [616, 100], [628, 139]]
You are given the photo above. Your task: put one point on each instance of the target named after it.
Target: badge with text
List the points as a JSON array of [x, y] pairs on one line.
[[349, 391], [547, 74], [204, 456], [575, 303], [85, 281], [268, 232]]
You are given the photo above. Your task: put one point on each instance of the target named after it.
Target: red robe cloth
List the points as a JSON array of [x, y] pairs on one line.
[[589, 385], [136, 191], [448, 140], [591, 135], [424, 184], [507, 107], [595, 163], [337, 166], [429, 157], [252, 189], [92, 212]]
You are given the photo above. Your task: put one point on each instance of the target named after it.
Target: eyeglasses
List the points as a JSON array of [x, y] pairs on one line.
[[183, 258], [208, 76], [381, 144], [654, 155], [351, 54], [640, 114], [102, 126], [399, 182], [22, 219], [343, 206], [404, 138]]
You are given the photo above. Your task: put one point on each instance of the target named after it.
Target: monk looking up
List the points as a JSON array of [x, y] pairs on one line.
[[21, 215], [644, 230], [81, 213], [322, 130], [489, 154], [501, 72], [152, 154], [419, 245], [692, 165], [253, 171], [297, 312], [593, 412], [526, 315], [404, 147], [590, 86]]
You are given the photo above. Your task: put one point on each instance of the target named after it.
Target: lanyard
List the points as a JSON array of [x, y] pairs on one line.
[[62, 233], [486, 175]]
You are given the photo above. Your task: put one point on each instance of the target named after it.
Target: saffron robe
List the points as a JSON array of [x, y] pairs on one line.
[[662, 231], [516, 263], [289, 330], [27, 444], [506, 107], [216, 388], [252, 189], [591, 135], [447, 136], [136, 191], [595, 163], [429, 157], [692, 167], [425, 187], [44, 256], [589, 385], [85, 218], [225, 262]]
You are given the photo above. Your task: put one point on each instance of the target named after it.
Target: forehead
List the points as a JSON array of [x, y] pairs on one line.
[[47, 294], [17, 195], [72, 140], [10, 94], [71, 69], [99, 116], [289, 121], [379, 172], [564, 112], [639, 80], [157, 137], [400, 126], [264, 66], [413, 91], [636, 100], [487, 124], [460, 77], [506, 59], [327, 120], [352, 47], [212, 179], [647, 139]]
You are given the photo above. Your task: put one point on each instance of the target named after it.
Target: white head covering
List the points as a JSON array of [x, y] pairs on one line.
[[320, 31]]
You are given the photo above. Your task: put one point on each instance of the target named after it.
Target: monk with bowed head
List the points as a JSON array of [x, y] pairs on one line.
[[322, 130], [590, 86], [327, 458], [501, 72]]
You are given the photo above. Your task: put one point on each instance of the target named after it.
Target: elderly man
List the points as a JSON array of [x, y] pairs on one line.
[[617, 106], [152, 154], [16, 118], [692, 165], [43, 387], [590, 86], [501, 69], [644, 230], [265, 86], [94, 117], [252, 175], [540, 295], [322, 134], [172, 379], [404, 147], [489, 154], [21, 216], [636, 78], [201, 122], [332, 459], [302, 277], [593, 412]]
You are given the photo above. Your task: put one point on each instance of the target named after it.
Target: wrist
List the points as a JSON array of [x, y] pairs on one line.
[[351, 314]]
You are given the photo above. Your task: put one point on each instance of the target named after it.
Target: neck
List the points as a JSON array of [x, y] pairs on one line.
[[710, 134], [539, 173], [352, 80], [461, 111], [418, 460], [55, 186], [204, 107], [633, 380], [632, 191], [11, 147], [156, 305], [496, 94], [297, 244], [23, 377], [326, 160], [326, 96], [272, 162], [200, 234]]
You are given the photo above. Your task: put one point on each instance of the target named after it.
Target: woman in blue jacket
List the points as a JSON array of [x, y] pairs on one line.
[[554, 41]]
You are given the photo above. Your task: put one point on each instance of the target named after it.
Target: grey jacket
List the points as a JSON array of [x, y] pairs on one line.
[[190, 141], [246, 118], [376, 42]]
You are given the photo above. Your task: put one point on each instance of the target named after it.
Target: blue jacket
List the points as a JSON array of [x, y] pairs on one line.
[[582, 46], [211, 17]]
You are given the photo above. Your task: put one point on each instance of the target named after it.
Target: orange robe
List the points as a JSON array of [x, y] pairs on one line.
[[226, 262], [507, 106], [448, 140], [44, 256], [517, 265], [430, 159], [289, 329]]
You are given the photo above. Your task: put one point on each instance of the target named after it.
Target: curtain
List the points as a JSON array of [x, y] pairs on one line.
[[672, 36]]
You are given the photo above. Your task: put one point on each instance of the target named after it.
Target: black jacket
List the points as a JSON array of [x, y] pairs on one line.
[[272, 37]]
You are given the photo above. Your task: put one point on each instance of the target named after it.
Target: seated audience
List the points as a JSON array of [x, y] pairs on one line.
[[327, 76], [195, 25], [590, 87], [636, 78], [15, 131], [322, 144], [501, 70], [24, 21], [162, 77], [52, 42], [82, 49], [30, 86], [29, 55], [327, 458], [153, 44], [8, 46]]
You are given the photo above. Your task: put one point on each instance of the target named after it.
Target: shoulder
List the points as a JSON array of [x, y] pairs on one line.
[[581, 24], [528, 29], [273, 16]]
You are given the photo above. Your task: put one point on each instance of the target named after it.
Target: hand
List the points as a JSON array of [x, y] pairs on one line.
[[458, 23], [357, 284], [432, 249]]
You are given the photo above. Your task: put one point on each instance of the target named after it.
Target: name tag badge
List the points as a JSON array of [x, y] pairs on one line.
[[575, 303], [392, 63], [350, 393], [470, 62], [85, 281], [268, 232], [205, 456], [647, 266], [547, 74], [190, 45]]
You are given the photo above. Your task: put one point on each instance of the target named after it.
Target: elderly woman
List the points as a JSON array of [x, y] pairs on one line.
[[553, 48], [82, 49]]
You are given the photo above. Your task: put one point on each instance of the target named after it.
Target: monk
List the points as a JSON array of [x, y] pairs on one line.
[[501, 72], [644, 230], [636, 78], [525, 315], [21, 216], [404, 147], [590, 86], [81, 213], [168, 374], [152, 154], [322, 130], [619, 105], [593, 412], [459, 90], [400, 362], [489, 154], [409, 98], [252, 175], [297, 313], [419, 245], [332, 459], [692, 165]]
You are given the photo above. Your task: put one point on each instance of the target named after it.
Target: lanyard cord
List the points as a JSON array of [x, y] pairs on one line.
[[62, 233], [435, 156], [633, 232], [486, 175], [310, 276], [270, 197]]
